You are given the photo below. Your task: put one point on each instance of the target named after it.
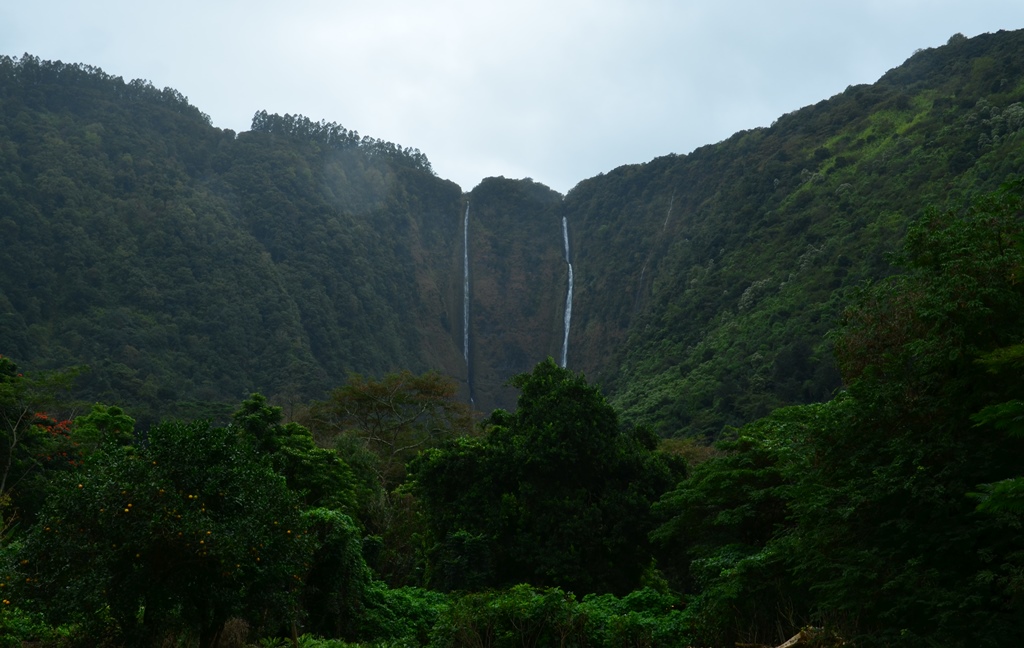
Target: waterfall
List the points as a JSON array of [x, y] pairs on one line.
[[568, 295], [465, 288], [669, 214], [643, 270]]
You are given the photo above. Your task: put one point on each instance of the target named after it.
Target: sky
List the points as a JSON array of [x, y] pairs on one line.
[[555, 90]]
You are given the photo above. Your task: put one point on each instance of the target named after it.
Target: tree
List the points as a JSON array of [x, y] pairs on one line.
[[556, 494], [888, 537], [334, 594], [393, 418], [724, 531], [103, 425], [856, 514], [377, 426], [336, 576], [318, 475], [31, 440], [178, 534], [1005, 495]]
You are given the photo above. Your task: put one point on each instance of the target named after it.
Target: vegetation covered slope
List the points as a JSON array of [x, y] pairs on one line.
[[706, 282], [183, 263], [517, 284], [889, 515]]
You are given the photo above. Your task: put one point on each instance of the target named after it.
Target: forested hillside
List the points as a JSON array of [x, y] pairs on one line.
[[517, 284], [186, 265], [288, 387], [706, 282]]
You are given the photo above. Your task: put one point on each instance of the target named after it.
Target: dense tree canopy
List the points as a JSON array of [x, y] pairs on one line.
[[556, 493], [33, 441], [191, 527], [866, 488], [862, 513], [393, 418]]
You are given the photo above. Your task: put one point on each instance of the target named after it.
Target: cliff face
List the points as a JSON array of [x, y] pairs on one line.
[[518, 280], [707, 282]]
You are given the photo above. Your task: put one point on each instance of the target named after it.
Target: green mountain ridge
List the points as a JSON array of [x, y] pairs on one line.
[[192, 265], [733, 261]]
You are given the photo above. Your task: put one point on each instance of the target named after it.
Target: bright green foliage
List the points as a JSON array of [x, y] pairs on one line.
[[336, 581], [181, 533], [18, 628], [527, 616], [644, 617], [1005, 418], [318, 475], [889, 540], [518, 616], [725, 531], [103, 425], [1007, 494], [857, 514], [556, 494], [401, 616]]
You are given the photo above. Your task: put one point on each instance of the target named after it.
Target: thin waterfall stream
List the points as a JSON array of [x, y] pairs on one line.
[[568, 295], [465, 302], [465, 287]]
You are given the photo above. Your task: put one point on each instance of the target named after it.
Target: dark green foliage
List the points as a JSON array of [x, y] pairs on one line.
[[188, 265], [194, 525], [891, 479], [857, 514], [526, 616], [198, 264], [318, 475], [725, 532], [392, 418], [377, 426], [336, 137], [557, 494], [518, 281], [706, 282], [195, 265], [32, 441], [182, 533]]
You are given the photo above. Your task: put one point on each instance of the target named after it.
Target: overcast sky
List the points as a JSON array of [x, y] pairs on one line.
[[555, 90]]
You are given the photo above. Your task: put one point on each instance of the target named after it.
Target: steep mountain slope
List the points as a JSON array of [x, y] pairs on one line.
[[706, 282], [517, 284], [188, 265]]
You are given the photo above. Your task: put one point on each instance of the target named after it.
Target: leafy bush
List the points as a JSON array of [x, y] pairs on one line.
[[18, 627], [526, 616], [181, 534]]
